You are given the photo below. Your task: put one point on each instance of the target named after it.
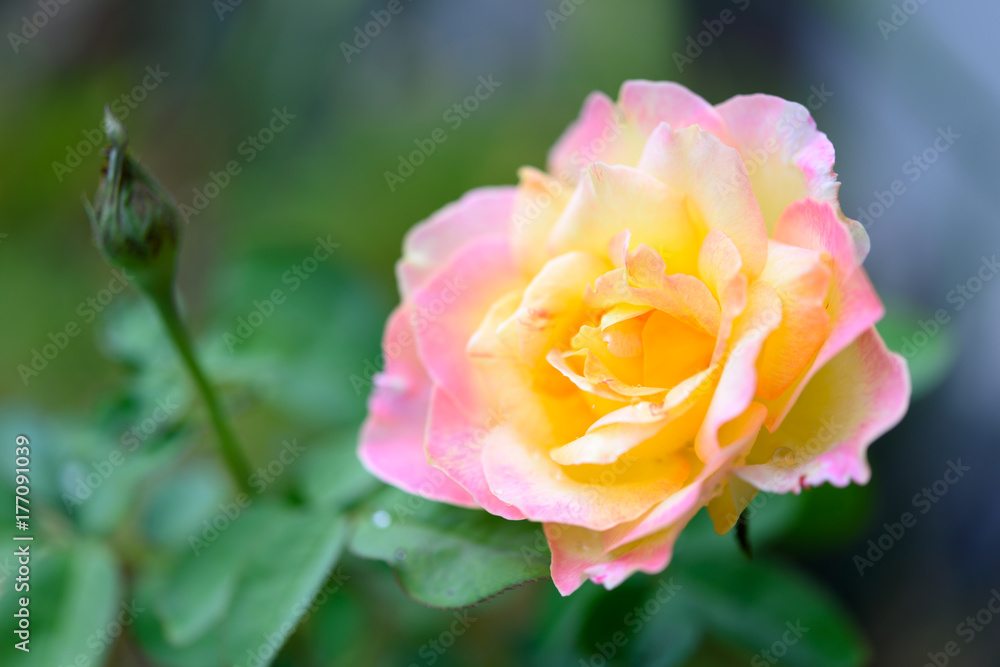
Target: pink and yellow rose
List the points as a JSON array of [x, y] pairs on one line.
[[673, 317]]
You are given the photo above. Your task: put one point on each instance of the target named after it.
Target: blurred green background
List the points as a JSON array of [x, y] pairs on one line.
[[882, 79]]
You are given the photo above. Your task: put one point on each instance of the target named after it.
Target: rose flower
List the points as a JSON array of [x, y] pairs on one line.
[[673, 317]]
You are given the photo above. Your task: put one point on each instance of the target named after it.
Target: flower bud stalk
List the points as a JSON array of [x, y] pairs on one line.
[[136, 226]]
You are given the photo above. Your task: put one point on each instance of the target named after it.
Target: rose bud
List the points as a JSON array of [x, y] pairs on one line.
[[134, 218]]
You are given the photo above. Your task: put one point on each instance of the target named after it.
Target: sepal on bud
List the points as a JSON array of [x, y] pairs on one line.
[[134, 219]]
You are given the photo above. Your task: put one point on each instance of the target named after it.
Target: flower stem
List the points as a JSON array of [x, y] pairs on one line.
[[232, 454]]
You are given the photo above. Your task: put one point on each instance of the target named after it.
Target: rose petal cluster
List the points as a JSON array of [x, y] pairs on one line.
[[672, 316]]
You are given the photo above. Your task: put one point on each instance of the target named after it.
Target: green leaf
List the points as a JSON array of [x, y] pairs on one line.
[[331, 475], [149, 631], [756, 605], [250, 583], [86, 473], [448, 556], [673, 635], [341, 627], [562, 622], [930, 350], [75, 606], [713, 653], [305, 351], [830, 517], [132, 335], [183, 499], [771, 517], [281, 580], [645, 621], [201, 590], [101, 490]]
